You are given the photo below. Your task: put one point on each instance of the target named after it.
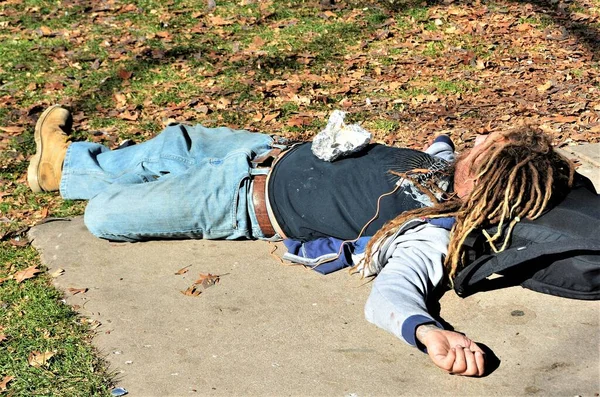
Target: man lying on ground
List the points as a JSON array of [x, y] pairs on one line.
[[217, 183]]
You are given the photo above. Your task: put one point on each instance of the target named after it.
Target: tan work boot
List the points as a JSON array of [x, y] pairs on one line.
[[51, 142]]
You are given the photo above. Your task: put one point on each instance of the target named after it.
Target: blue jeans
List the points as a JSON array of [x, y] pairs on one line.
[[187, 182]]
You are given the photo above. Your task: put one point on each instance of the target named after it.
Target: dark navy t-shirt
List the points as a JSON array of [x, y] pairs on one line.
[[312, 198]]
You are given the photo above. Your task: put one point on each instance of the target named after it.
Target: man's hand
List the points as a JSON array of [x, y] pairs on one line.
[[451, 351]]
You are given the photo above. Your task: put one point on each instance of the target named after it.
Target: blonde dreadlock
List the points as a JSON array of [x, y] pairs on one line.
[[516, 179]]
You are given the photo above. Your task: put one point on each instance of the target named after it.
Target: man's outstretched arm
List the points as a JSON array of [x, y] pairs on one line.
[[411, 267]]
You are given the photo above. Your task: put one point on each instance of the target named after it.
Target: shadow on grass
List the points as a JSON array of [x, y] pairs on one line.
[[138, 66], [566, 20]]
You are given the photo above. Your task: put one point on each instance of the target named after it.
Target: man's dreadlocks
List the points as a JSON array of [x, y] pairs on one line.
[[517, 175]]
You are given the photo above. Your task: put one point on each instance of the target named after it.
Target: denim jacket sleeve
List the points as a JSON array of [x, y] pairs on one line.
[[409, 266]]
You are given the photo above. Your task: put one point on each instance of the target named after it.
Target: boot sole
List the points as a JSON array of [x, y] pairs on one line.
[[34, 163]]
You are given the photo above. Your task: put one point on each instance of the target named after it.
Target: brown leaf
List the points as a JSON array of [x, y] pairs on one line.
[[19, 243], [120, 98], [4, 383], [274, 83], [183, 270], [38, 359], [75, 291], [3, 337], [298, 121], [163, 35], [129, 116], [256, 44], [44, 212], [57, 272], [579, 16], [346, 103], [207, 280], [270, 117], [124, 74], [12, 129], [25, 274], [45, 31], [219, 21], [191, 291], [223, 103], [202, 109], [546, 86], [524, 27], [565, 119]]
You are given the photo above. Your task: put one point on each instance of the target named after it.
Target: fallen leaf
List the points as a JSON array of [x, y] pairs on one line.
[[129, 116], [207, 280], [124, 74], [219, 21], [3, 337], [275, 83], [545, 87], [395, 85], [19, 243], [4, 383], [192, 291], [12, 129], [579, 16], [202, 109], [450, 30], [183, 270], [44, 212], [346, 103], [45, 31], [297, 121], [38, 359], [25, 274], [270, 117], [75, 291], [565, 119], [120, 98], [57, 272], [223, 103]]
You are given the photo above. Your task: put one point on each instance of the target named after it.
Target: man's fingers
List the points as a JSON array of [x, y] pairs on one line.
[[474, 362], [460, 363], [480, 359], [471, 363]]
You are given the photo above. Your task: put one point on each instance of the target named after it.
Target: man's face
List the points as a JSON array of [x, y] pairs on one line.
[[464, 178]]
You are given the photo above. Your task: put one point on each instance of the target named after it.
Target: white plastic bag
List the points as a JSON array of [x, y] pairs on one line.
[[339, 139]]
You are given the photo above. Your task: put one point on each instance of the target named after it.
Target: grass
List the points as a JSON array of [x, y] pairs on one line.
[[223, 68], [35, 319]]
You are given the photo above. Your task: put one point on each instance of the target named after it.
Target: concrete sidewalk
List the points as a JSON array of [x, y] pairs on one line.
[[270, 329]]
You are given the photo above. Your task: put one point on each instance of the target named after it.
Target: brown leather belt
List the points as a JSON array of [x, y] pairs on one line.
[[259, 201]]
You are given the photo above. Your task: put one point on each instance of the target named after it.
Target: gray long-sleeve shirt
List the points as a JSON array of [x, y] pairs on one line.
[[409, 266]]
